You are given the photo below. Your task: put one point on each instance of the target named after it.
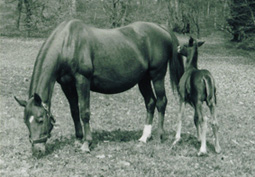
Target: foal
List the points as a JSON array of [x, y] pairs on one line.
[[195, 87]]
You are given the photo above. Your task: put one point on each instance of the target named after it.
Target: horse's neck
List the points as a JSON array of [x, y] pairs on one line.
[[43, 79]]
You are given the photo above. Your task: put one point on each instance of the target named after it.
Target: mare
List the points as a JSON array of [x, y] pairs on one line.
[[195, 87], [83, 59]]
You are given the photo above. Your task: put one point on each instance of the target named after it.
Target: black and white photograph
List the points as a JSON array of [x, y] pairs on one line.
[[105, 88]]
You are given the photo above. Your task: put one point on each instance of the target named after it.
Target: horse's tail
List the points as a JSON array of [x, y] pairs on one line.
[[210, 90], [176, 68]]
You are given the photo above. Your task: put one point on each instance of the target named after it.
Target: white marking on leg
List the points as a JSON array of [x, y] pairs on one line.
[[203, 137], [146, 133], [31, 119]]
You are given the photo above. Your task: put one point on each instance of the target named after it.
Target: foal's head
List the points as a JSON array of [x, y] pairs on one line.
[[39, 122], [190, 51]]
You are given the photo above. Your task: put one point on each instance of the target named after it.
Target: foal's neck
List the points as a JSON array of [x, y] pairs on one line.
[[192, 64]]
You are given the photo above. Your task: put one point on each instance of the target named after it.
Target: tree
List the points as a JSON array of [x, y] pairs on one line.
[[241, 21], [117, 11]]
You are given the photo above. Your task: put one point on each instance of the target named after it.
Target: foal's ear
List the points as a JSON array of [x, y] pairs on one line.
[[191, 40], [38, 100], [200, 43], [22, 103]]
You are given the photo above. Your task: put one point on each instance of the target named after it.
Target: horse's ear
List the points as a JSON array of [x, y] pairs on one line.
[[38, 100], [200, 43], [191, 40], [22, 103]]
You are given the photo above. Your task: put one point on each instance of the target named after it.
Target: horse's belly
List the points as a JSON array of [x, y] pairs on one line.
[[116, 84]]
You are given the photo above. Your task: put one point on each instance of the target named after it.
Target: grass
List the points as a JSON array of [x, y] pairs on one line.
[[117, 122]]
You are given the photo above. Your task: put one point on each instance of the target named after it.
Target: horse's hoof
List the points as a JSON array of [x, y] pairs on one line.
[[85, 147], [201, 153], [143, 139], [77, 143], [161, 137]]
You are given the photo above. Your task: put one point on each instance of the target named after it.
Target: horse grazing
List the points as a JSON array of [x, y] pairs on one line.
[[82, 58], [195, 87]]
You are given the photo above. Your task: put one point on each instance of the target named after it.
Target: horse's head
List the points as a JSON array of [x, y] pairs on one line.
[[39, 122], [190, 51]]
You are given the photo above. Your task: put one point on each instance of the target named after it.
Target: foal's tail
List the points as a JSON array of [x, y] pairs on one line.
[[210, 90]]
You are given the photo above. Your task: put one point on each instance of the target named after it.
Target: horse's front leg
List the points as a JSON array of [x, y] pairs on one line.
[[70, 92], [83, 90]]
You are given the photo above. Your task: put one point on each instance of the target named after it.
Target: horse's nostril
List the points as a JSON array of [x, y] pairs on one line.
[[38, 149]]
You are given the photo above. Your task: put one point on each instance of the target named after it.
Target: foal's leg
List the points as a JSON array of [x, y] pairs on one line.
[[159, 87], [202, 121], [83, 90], [150, 103], [198, 127], [71, 94], [179, 126], [215, 127]]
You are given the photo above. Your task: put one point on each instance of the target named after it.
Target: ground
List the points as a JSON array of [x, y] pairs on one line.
[[117, 122]]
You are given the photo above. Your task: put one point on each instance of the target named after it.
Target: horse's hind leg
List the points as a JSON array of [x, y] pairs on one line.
[[83, 90], [215, 128], [159, 87], [150, 103], [70, 92]]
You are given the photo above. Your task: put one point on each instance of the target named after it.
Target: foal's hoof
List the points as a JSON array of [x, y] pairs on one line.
[[218, 150], [176, 141], [85, 147]]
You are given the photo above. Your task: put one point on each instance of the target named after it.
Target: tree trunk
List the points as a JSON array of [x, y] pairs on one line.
[[208, 9], [28, 16], [114, 14], [73, 8], [19, 13]]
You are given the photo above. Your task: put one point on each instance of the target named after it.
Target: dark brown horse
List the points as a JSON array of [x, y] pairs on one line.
[[82, 58], [195, 87]]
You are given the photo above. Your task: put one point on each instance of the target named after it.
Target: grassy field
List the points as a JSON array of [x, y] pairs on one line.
[[117, 122]]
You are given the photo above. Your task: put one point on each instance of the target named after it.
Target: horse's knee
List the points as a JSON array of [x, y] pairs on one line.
[[150, 105], [161, 104]]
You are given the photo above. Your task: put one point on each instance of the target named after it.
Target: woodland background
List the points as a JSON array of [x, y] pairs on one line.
[[37, 18]]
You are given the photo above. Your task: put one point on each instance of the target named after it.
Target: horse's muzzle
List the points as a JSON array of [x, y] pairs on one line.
[[38, 149]]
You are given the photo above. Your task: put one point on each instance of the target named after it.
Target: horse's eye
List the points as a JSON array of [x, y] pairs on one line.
[[40, 119]]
